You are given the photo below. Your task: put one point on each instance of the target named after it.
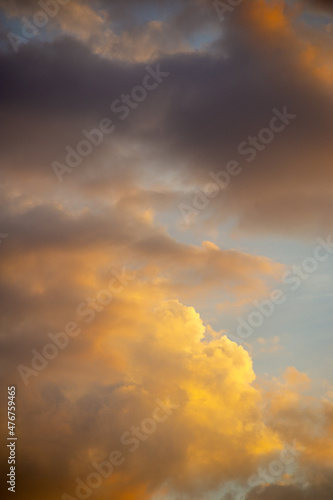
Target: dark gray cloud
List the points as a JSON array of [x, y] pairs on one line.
[[209, 104], [321, 489], [322, 4]]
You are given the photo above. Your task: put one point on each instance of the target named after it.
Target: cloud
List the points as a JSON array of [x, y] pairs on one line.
[[321, 490], [296, 414], [121, 31], [79, 241], [325, 5], [197, 120], [219, 413], [199, 117], [141, 348]]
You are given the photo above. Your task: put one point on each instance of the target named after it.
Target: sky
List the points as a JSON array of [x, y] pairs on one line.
[[166, 249]]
